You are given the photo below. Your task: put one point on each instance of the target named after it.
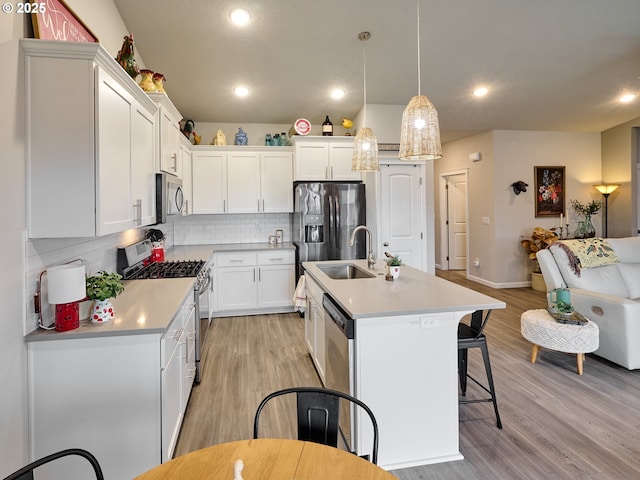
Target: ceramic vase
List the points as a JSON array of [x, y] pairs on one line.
[[158, 81], [102, 311], [147, 81]]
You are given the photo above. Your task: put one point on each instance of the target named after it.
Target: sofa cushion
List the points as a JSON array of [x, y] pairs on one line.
[[607, 279], [631, 275], [627, 249]]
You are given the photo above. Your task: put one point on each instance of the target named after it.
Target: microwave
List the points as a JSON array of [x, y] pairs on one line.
[[169, 197]]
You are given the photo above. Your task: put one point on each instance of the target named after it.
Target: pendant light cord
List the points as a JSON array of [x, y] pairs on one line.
[[418, 8], [364, 62]]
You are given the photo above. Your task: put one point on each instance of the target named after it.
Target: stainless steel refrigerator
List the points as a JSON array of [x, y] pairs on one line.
[[324, 215]]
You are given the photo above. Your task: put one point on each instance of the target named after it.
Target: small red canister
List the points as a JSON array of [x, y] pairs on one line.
[[157, 252]]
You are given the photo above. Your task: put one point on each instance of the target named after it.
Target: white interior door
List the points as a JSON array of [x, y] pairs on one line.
[[457, 221], [402, 222]]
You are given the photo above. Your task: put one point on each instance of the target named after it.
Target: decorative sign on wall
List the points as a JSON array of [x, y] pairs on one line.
[[54, 20]]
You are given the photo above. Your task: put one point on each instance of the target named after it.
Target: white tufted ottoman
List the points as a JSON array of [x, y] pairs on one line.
[[541, 329]]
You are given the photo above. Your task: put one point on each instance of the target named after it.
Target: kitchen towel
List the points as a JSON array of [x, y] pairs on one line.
[[300, 296]]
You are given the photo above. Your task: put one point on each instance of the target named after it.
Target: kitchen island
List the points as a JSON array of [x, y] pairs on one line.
[[403, 358]]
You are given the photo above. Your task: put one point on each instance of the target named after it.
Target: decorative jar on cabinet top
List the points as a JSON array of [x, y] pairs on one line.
[[147, 81]]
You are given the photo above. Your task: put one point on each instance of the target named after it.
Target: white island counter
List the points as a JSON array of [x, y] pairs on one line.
[[404, 357]]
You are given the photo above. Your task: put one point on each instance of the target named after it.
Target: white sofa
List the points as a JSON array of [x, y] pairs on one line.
[[608, 295]]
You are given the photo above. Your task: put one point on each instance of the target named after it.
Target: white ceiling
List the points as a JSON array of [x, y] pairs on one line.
[[550, 64]]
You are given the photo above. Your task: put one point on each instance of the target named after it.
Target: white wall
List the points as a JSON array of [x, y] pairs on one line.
[[13, 361], [620, 154], [508, 156]]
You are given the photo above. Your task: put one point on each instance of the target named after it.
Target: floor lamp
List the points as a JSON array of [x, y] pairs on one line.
[[606, 189]]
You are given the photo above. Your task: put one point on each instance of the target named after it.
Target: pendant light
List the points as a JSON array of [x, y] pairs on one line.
[[365, 147], [420, 131]]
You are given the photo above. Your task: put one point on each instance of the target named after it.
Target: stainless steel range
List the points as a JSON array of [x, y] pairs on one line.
[[134, 262]]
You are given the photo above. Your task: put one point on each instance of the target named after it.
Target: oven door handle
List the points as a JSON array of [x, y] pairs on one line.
[[203, 288]]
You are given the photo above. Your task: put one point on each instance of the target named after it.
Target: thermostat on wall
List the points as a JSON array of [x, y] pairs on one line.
[[475, 156]]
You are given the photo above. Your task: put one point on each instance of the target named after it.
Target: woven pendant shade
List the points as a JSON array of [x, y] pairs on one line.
[[365, 146], [365, 151], [420, 129], [420, 132]]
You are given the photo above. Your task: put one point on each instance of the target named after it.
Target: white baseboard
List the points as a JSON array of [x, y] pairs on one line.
[[499, 285]]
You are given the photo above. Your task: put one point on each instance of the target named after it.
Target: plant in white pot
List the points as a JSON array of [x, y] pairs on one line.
[[101, 288], [393, 265]]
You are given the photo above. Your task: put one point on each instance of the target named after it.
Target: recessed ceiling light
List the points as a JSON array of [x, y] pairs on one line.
[[241, 91], [337, 93], [629, 97], [480, 92], [240, 16]]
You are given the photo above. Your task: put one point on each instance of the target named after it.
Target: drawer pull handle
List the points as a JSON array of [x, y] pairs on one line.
[[236, 261], [276, 259]]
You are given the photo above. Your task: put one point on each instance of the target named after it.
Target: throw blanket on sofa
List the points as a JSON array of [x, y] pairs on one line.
[[588, 253]]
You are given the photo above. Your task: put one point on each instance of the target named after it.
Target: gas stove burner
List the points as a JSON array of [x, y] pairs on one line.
[[177, 269]]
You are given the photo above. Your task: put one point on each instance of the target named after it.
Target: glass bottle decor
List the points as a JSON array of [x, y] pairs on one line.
[[589, 229], [579, 233]]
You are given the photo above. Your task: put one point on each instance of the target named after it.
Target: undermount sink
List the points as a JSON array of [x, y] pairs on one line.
[[344, 271]]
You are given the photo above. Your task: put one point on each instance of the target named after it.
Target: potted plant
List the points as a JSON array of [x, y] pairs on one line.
[[585, 228], [101, 288], [564, 309], [393, 265], [540, 239]]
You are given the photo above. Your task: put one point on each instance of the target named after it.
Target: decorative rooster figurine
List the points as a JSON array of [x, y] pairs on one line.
[[125, 57]]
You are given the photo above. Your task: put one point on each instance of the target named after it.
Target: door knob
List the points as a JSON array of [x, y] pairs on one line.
[[386, 244]]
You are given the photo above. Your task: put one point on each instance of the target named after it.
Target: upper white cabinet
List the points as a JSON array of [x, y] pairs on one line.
[[209, 174], [184, 149], [89, 141], [242, 180], [323, 158], [169, 134]]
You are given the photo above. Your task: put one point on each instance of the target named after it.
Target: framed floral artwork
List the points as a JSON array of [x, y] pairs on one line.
[[550, 197]]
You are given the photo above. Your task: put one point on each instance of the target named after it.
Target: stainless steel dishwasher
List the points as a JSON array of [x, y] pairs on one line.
[[339, 335]]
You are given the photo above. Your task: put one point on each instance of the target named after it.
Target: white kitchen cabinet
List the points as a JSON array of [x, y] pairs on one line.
[[87, 176], [122, 397], [253, 282], [168, 134], [242, 180], [143, 166], [323, 158], [314, 326], [209, 187], [276, 181], [171, 385], [187, 174]]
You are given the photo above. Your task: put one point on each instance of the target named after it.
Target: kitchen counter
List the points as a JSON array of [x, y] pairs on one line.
[[403, 362], [204, 252], [413, 292], [145, 307]]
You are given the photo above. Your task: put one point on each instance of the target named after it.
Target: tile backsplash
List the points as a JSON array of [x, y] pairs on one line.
[[240, 228]]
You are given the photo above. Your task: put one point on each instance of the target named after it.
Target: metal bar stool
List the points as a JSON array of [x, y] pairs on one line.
[[472, 336]]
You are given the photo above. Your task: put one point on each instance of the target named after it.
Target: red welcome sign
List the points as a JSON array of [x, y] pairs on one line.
[[54, 20]]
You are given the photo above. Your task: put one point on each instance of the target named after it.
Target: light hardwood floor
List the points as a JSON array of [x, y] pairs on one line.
[[557, 424]]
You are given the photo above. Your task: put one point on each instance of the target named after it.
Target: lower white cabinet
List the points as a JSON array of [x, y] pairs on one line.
[[253, 282], [121, 397], [314, 326]]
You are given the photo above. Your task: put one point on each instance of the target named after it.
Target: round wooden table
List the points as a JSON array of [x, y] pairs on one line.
[[269, 458]]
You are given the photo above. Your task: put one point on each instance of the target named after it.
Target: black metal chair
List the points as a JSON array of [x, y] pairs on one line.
[[318, 411], [26, 473], [472, 336]]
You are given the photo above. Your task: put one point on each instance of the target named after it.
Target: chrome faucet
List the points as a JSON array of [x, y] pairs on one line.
[[371, 261]]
